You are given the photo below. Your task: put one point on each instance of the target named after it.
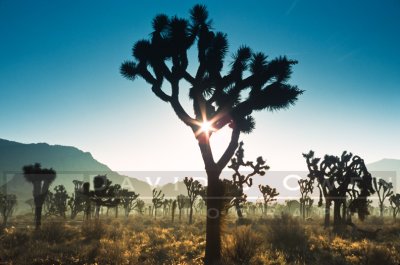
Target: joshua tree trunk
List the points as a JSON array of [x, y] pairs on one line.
[[327, 212], [38, 216], [191, 214], [381, 210], [213, 231], [238, 210], [344, 211], [98, 211], [180, 214], [265, 209], [39, 200], [336, 213]]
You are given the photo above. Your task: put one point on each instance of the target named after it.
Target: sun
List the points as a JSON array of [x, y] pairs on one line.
[[206, 126]]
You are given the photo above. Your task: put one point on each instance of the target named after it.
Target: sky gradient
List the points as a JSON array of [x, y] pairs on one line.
[[60, 80]]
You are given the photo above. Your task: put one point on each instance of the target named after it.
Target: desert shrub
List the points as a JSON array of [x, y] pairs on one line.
[[241, 246], [53, 232], [379, 254], [111, 252], [375, 220], [93, 230], [287, 234], [11, 237]]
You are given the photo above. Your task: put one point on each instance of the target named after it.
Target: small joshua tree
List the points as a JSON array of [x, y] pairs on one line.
[[240, 180], [157, 201], [173, 208], [194, 188], [306, 187], [105, 194], [384, 191], [166, 206], [181, 200], [269, 195], [395, 204], [7, 206], [140, 205], [41, 178], [60, 200], [128, 200], [77, 202]]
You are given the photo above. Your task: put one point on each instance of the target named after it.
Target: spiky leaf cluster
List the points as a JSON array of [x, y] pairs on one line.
[[252, 81]]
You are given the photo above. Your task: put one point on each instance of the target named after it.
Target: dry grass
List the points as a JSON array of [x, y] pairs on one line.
[[142, 240]]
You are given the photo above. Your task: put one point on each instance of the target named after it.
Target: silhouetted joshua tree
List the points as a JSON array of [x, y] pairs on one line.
[[166, 206], [218, 100], [194, 189], [7, 206], [306, 187], [395, 204], [384, 191], [240, 180], [157, 201], [140, 205], [49, 207], [269, 195], [308, 203], [181, 200], [338, 177], [60, 200], [128, 200], [77, 202], [41, 178], [173, 209], [104, 194]]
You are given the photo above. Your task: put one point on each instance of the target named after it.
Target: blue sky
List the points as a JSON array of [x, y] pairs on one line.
[[60, 81]]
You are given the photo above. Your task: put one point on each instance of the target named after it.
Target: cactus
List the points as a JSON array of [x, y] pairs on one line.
[[41, 178]]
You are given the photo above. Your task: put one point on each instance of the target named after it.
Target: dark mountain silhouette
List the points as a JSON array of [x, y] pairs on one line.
[[69, 162]]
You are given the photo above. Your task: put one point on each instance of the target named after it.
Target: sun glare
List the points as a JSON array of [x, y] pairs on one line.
[[206, 126]]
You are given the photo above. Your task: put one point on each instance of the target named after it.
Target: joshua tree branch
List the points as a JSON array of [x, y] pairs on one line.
[[181, 113]]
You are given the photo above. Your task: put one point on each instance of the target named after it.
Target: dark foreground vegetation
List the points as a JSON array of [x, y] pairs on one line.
[[140, 239]]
